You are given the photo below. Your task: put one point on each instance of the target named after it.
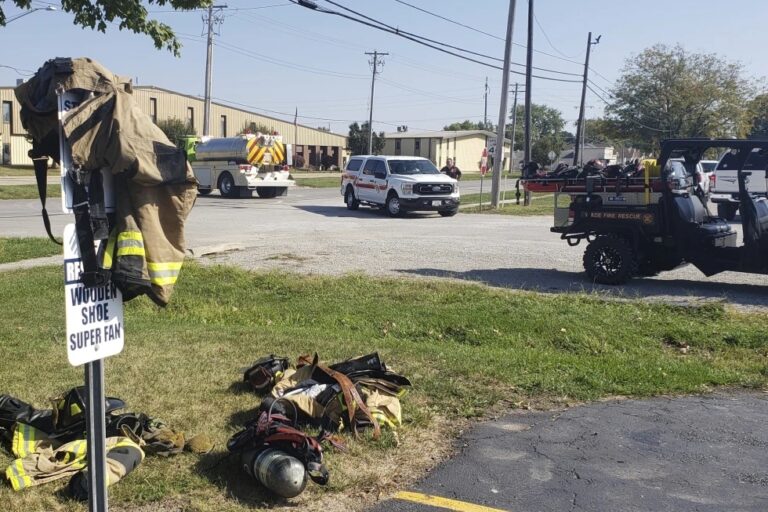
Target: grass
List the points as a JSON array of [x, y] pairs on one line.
[[17, 171], [17, 249], [467, 348], [27, 191], [541, 204], [319, 182]]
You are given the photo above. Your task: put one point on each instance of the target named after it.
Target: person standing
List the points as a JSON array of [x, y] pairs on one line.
[[451, 170]]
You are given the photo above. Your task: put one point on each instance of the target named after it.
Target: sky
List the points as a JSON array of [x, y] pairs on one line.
[[273, 57]]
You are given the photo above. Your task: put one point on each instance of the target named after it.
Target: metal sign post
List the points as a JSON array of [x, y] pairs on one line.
[[94, 318]]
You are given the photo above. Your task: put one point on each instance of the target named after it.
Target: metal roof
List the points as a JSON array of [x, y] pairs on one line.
[[440, 134]]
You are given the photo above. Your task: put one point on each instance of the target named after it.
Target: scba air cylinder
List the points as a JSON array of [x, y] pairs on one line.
[[279, 472]]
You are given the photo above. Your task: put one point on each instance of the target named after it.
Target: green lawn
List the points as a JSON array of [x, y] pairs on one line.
[[27, 191], [17, 171], [467, 348], [541, 204], [17, 249], [320, 182]]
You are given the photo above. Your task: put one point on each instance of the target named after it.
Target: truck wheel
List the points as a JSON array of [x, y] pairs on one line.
[[727, 211], [448, 213], [350, 200], [610, 260], [266, 192], [203, 191], [227, 186], [393, 205]]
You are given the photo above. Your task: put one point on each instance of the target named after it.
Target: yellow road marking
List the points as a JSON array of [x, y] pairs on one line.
[[437, 501]]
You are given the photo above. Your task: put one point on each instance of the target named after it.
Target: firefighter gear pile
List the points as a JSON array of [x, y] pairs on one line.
[[49, 444], [142, 243], [351, 395]]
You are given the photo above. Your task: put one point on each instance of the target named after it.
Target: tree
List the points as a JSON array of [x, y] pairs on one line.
[[358, 139], [668, 92], [466, 125], [128, 14], [176, 129], [758, 112], [547, 131], [254, 127]]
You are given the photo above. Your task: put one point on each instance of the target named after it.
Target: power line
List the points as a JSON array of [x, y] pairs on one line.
[[450, 20], [228, 9], [422, 40], [19, 71], [544, 32], [632, 120]]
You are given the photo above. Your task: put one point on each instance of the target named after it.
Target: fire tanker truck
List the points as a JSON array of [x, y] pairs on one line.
[[239, 165]]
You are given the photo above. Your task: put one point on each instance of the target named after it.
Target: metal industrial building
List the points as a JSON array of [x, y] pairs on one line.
[[318, 147], [464, 146]]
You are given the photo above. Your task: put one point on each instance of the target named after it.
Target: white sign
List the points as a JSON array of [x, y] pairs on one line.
[[491, 145], [68, 101], [94, 315]]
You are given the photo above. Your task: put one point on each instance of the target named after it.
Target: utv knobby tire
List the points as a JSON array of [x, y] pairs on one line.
[[727, 211], [227, 186], [350, 200], [610, 260]]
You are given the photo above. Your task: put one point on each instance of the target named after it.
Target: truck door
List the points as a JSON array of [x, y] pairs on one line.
[[380, 178], [364, 186]]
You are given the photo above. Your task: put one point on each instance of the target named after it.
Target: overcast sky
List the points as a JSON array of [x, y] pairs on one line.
[[272, 56]]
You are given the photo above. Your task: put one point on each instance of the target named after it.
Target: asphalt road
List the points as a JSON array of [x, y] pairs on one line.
[[311, 231], [687, 454]]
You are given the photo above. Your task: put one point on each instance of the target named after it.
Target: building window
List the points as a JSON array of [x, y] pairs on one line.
[[7, 112], [153, 109], [223, 126], [191, 116], [398, 146], [417, 147]]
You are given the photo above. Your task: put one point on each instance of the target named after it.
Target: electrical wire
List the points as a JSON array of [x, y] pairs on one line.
[[549, 41], [450, 20], [418, 39], [400, 31], [633, 120], [19, 71]]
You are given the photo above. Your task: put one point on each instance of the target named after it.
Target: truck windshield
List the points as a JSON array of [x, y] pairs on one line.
[[412, 167]]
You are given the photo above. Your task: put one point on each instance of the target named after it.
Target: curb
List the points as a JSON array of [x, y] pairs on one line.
[[31, 263]]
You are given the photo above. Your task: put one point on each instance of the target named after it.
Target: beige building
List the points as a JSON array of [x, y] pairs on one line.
[[464, 146], [317, 147]]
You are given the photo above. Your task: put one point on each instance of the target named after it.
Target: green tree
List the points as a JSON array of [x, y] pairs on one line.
[[466, 125], [176, 129], [668, 92], [358, 139], [127, 14], [254, 127], [547, 131], [758, 112]]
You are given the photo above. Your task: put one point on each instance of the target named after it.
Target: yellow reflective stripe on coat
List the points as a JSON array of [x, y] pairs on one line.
[[25, 440], [106, 261], [17, 476], [162, 274], [130, 243]]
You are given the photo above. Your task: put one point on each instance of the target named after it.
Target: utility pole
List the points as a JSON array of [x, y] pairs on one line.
[[485, 110], [528, 89], [579, 142], [210, 20], [375, 63], [514, 127], [498, 154]]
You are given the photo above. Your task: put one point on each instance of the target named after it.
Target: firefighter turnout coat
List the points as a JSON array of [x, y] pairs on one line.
[[143, 245]]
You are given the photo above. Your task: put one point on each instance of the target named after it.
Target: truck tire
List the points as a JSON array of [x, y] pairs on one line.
[[610, 260], [227, 186], [392, 205], [727, 211], [203, 191], [267, 192], [350, 200], [448, 213]]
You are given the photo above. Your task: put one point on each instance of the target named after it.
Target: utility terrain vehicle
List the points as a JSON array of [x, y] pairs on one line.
[[639, 224]]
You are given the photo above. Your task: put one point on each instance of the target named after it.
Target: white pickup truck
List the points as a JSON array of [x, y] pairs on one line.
[[724, 190], [399, 184]]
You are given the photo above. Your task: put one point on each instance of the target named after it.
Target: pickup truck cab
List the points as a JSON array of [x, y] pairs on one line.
[[725, 185], [399, 184]]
